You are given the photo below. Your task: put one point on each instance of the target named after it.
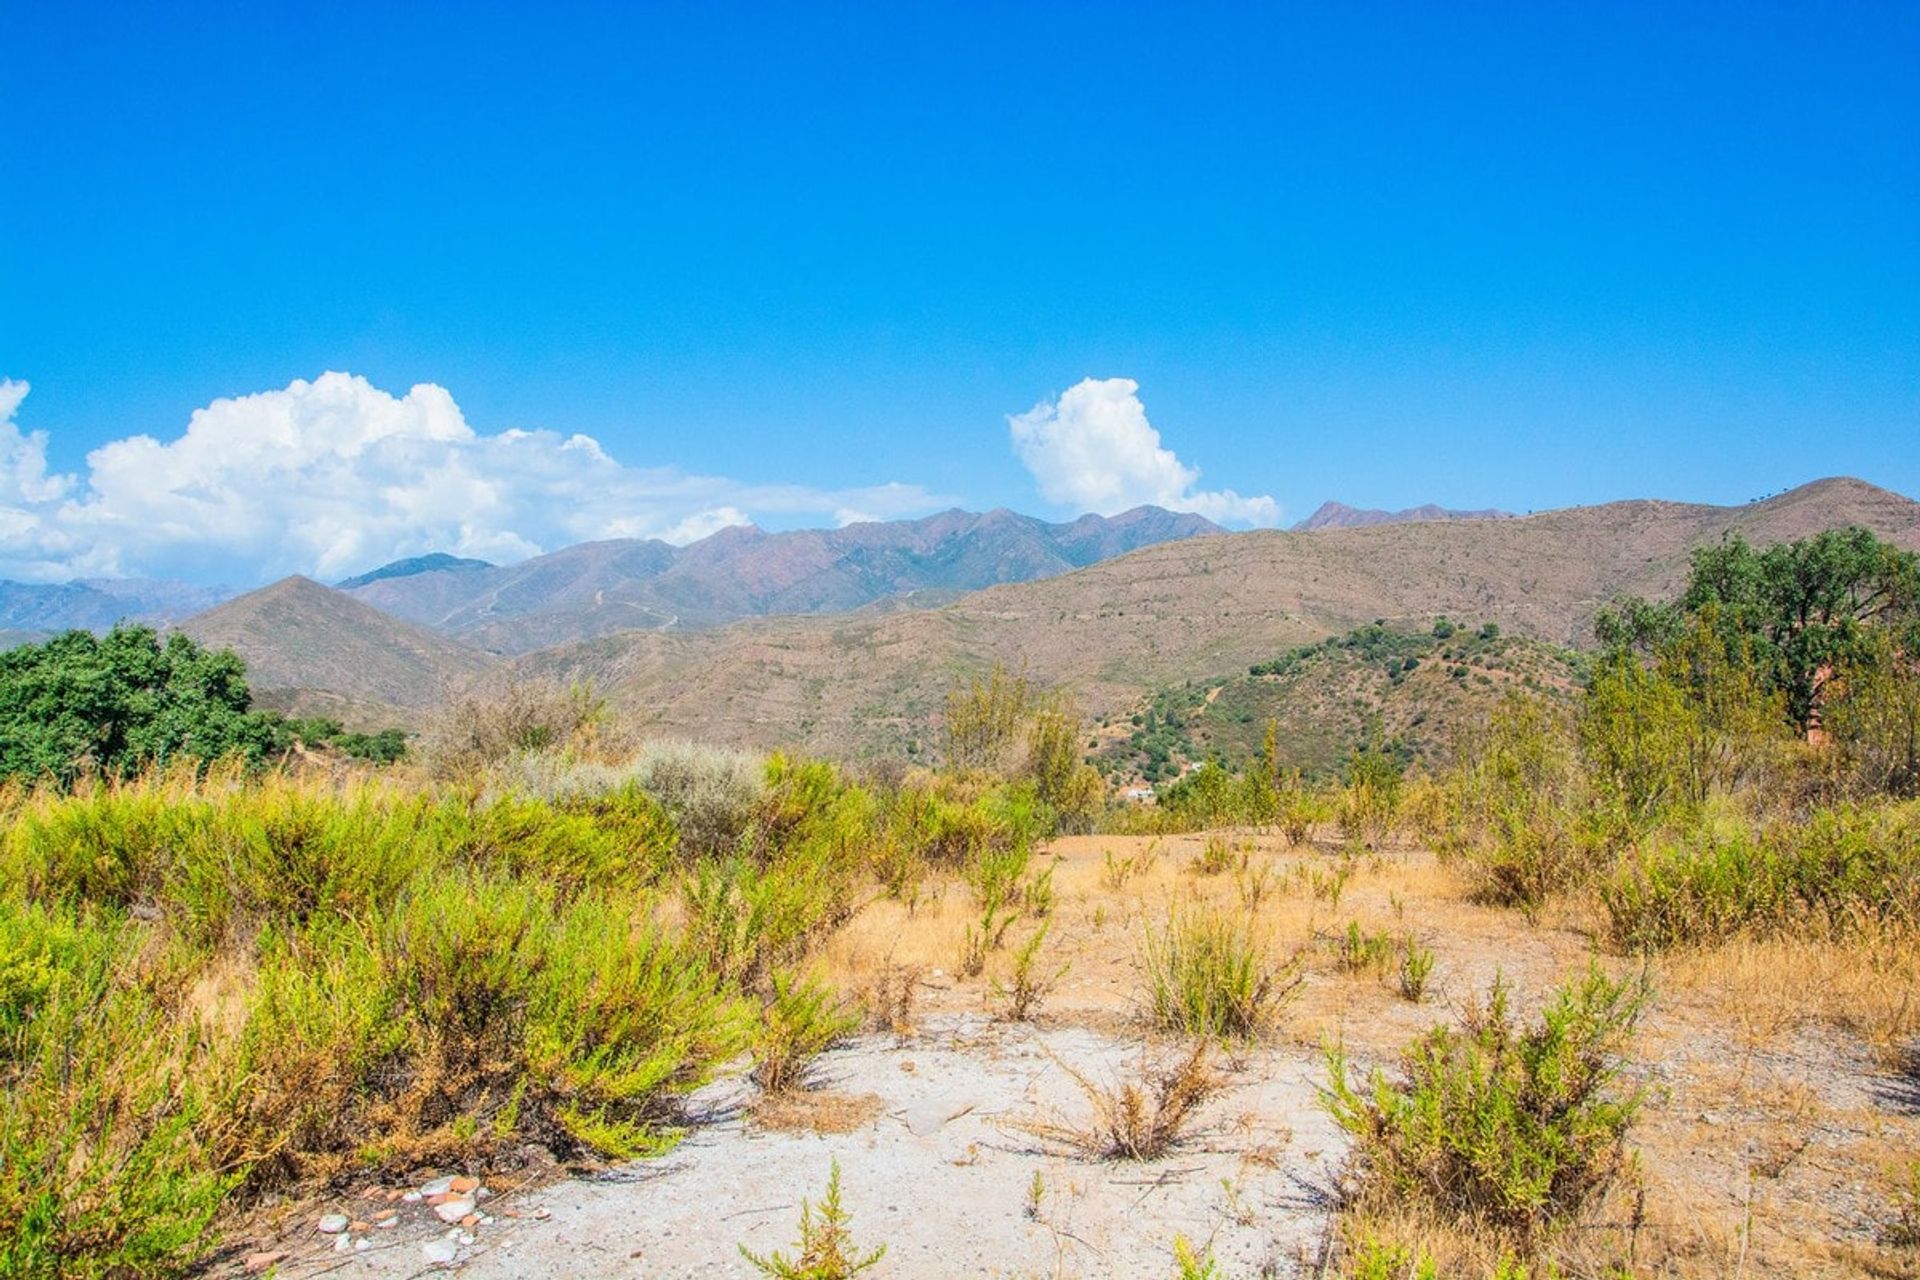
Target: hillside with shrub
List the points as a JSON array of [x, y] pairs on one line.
[[1420, 692]]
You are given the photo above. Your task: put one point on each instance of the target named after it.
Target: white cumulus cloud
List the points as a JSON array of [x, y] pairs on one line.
[[333, 476], [1094, 450]]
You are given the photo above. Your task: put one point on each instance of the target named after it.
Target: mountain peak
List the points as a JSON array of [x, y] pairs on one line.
[[432, 562]]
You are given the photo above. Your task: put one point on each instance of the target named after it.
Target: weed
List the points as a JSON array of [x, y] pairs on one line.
[[1037, 894], [1253, 885], [1189, 1265], [1208, 975], [1036, 1196], [1026, 987], [1416, 966], [1141, 1118], [799, 1021], [996, 878], [1362, 952], [1116, 871], [1215, 857], [889, 998], [1904, 1230], [826, 1250], [981, 939], [1330, 885]]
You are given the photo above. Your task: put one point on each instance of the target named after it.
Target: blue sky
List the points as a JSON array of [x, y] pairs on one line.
[[1512, 255]]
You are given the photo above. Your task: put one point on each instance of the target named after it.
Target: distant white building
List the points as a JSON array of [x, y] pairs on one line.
[[1138, 795]]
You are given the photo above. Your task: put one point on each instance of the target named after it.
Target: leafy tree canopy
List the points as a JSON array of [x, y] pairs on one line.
[[117, 703], [1797, 611]]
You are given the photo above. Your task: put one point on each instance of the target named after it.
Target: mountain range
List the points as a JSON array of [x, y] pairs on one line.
[[845, 641], [1179, 611], [32, 609], [742, 572]]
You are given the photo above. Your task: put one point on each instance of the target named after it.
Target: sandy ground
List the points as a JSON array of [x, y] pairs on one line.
[[941, 1168], [1769, 1142]]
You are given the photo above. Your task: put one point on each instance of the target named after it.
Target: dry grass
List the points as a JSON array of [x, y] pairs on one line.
[[1766, 988], [816, 1111], [1731, 1033], [1140, 1118]]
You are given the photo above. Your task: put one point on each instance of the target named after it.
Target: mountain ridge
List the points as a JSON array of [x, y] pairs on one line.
[[1338, 515], [598, 588], [1178, 611]]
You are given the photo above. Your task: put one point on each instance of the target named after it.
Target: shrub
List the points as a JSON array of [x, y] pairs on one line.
[[826, 1250], [519, 717], [713, 794], [1522, 821], [747, 920], [1208, 975], [799, 1020], [1511, 1128], [1836, 871], [104, 1169]]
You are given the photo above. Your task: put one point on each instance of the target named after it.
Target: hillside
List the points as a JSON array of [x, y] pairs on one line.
[[314, 650], [1180, 611], [1417, 691], [743, 572]]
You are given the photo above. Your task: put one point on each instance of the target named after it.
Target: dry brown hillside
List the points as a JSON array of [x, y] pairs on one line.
[[312, 649], [1196, 608]]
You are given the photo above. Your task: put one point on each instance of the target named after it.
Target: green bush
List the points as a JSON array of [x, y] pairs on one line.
[[1523, 823], [105, 1168], [1838, 870], [218, 985], [1514, 1129], [800, 1019], [82, 705]]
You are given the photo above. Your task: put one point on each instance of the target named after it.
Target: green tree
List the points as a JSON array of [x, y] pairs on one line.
[[1807, 608], [117, 703]]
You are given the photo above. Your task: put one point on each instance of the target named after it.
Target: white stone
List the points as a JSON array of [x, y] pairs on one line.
[[333, 1224], [453, 1210]]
